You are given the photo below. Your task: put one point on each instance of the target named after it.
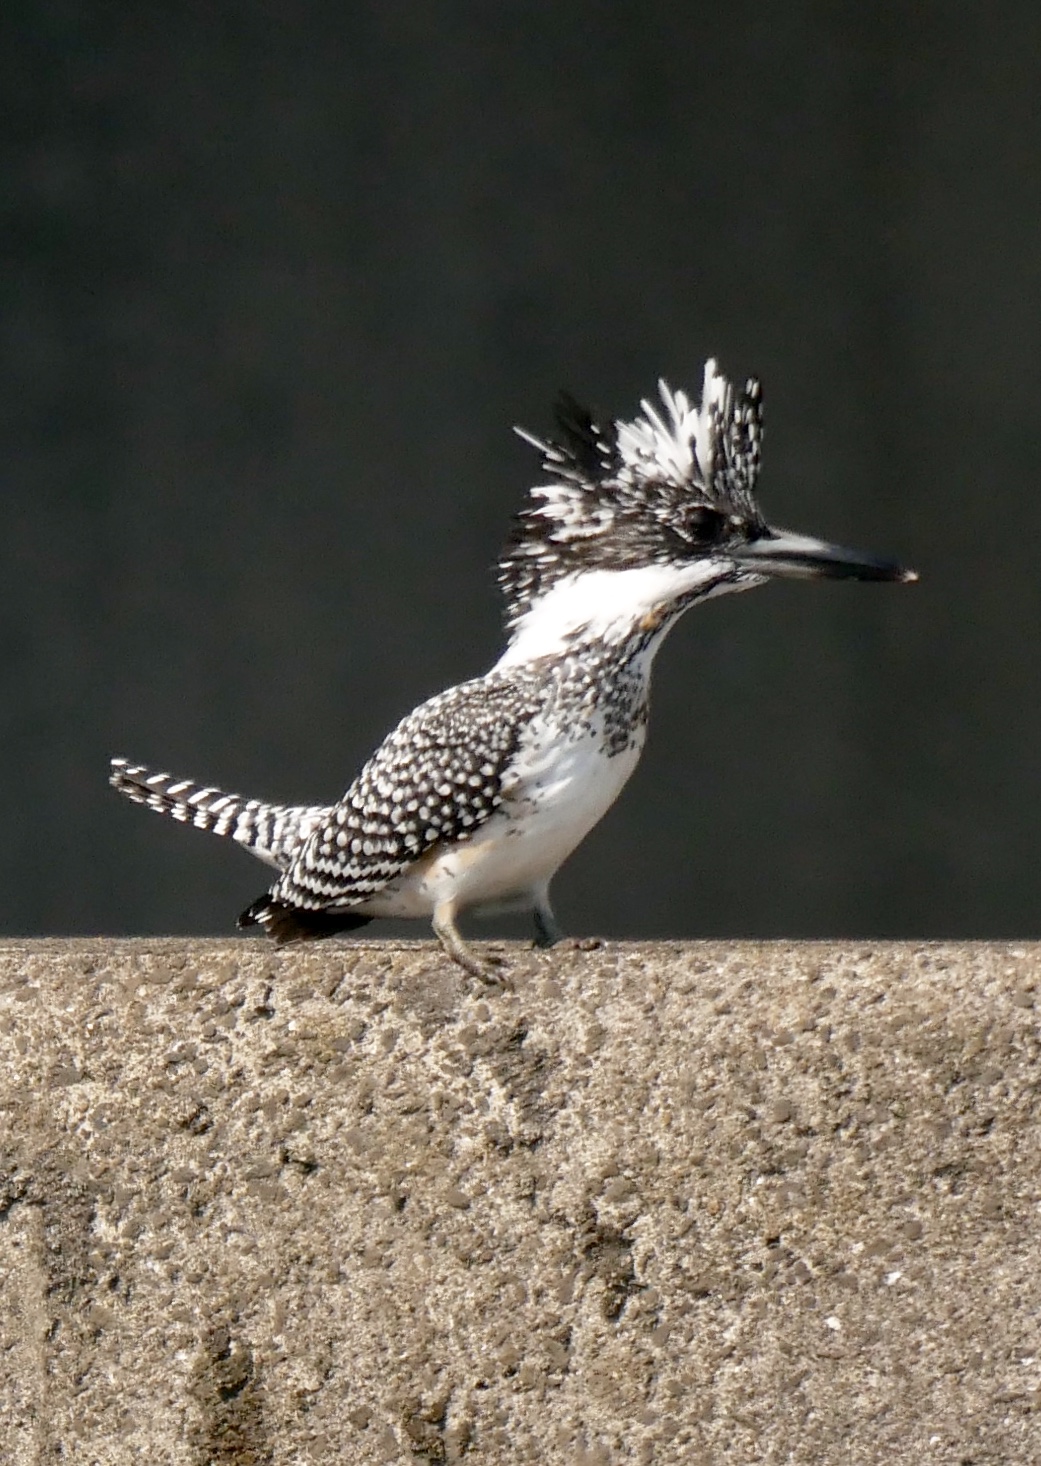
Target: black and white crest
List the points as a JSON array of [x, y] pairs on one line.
[[675, 482]]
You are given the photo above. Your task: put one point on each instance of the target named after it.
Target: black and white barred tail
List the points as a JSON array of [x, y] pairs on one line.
[[274, 833]]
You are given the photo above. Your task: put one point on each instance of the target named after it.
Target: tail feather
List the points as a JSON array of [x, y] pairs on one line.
[[295, 924], [275, 833]]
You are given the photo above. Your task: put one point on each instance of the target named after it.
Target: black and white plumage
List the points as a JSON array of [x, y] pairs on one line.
[[479, 795], [645, 492]]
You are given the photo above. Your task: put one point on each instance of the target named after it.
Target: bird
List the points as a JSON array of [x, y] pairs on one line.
[[478, 796]]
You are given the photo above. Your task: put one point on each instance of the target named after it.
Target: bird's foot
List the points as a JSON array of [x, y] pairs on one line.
[[547, 933], [490, 970], [483, 968], [495, 972]]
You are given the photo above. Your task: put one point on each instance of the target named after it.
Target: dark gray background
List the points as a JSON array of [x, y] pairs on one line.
[[277, 280]]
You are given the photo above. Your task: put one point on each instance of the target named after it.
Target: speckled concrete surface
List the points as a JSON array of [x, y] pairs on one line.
[[699, 1203]]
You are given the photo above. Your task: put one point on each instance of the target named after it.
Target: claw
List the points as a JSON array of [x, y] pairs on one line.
[[448, 935]]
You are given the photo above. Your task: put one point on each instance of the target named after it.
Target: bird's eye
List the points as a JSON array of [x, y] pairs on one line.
[[705, 526]]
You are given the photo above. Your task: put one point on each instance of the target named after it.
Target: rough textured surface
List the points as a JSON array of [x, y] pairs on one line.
[[691, 1203]]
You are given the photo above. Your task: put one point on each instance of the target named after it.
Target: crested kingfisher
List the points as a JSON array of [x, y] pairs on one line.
[[477, 797]]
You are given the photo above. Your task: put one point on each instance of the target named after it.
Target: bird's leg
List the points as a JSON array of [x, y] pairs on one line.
[[449, 936], [547, 932]]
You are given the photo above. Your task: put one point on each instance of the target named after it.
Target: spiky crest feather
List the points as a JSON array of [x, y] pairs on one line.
[[625, 493]]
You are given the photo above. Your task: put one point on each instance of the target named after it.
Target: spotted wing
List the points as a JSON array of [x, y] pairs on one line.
[[435, 780]]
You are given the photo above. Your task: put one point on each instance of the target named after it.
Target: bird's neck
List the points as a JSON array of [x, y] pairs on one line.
[[605, 610]]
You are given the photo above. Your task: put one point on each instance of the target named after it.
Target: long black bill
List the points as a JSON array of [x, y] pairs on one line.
[[799, 556]]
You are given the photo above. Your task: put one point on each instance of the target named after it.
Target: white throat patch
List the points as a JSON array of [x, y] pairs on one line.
[[607, 605]]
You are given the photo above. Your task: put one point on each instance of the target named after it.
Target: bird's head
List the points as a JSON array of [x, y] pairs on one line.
[[641, 519]]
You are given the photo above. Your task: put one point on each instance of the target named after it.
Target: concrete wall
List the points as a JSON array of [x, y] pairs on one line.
[[660, 1203]]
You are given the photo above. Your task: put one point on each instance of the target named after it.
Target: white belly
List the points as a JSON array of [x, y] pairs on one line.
[[561, 791]]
